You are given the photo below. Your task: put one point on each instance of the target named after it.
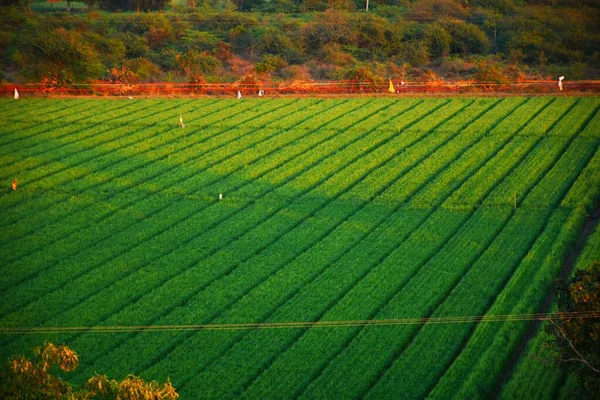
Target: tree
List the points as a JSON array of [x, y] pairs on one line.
[[467, 38], [437, 39], [577, 337], [32, 379], [59, 56], [22, 378], [328, 27], [195, 65]]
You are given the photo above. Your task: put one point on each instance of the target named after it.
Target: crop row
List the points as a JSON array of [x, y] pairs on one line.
[[586, 110], [521, 117], [164, 142], [432, 348], [593, 128], [401, 186], [400, 272], [563, 175], [590, 252], [113, 121], [83, 155], [32, 129], [545, 154], [488, 351], [13, 111], [503, 144], [313, 347], [586, 190], [519, 146], [536, 376], [37, 139], [68, 151], [314, 223], [547, 120], [29, 137], [277, 384], [147, 206], [139, 147], [470, 297], [145, 149], [533, 374], [136, 174], [317, 223]]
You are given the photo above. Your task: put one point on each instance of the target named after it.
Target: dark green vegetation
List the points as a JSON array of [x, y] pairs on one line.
[[333, 209], [487, 41], [538, 374]]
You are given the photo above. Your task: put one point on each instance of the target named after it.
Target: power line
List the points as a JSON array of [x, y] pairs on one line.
[[477, 319]]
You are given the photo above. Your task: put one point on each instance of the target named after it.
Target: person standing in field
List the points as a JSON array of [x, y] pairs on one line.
[[14, 184]]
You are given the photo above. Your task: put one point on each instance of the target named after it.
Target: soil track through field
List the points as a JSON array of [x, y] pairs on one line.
[[588, 228]]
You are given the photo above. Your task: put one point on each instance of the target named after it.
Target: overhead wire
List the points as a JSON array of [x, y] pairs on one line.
[[473, 319]]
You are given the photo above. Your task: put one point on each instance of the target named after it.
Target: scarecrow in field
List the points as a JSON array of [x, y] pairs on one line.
[[181, 124], [14, 184]]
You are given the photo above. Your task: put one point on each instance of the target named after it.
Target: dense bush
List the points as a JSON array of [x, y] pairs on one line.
[[413, 36]]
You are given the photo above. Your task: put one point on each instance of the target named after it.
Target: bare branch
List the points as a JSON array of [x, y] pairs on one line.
[[581, 358]]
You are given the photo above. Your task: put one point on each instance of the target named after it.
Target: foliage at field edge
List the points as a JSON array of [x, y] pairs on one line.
[[22, 378], [423, 40]]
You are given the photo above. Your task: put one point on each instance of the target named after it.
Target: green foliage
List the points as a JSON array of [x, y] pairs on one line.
[[59, 56], [135, 46], [143, 68], [437, 39], [332, 53], [328, 28], [196, 65], [466, 38], [270, 63], [153, 27], [199, 40], [578, 339], [490, 72], [273, 40], [415, 52], [534, 40], [112, 51]]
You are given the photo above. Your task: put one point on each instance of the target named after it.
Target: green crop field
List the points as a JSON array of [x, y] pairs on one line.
[[333, 210]]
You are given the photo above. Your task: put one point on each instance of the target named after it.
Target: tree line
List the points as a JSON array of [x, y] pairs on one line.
[[208, 40]]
